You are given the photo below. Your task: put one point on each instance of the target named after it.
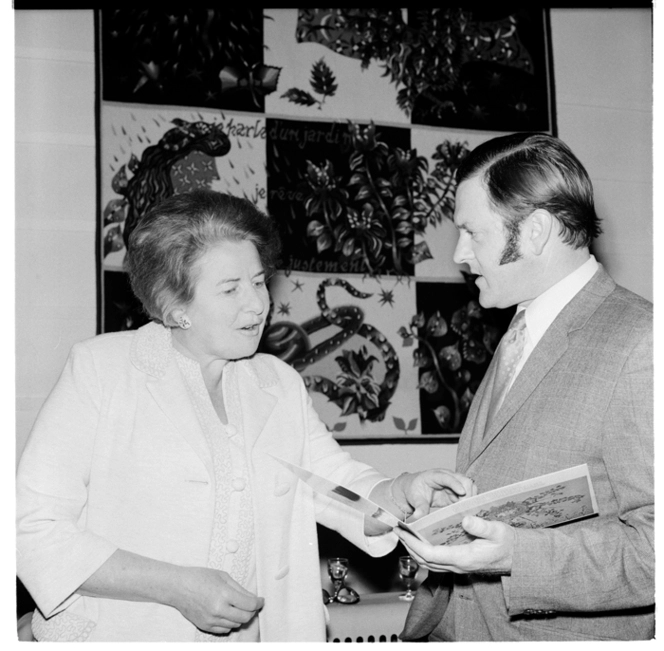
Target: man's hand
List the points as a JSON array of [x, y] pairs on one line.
[[490, 552], [421, 492]]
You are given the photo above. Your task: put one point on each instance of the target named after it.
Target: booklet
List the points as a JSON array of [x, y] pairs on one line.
[[543, 501]]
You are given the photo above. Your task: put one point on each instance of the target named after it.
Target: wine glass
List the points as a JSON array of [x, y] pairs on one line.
[[408, 568], [337, 568]]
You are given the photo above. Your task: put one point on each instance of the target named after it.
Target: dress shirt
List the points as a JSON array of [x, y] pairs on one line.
[[542, 311]]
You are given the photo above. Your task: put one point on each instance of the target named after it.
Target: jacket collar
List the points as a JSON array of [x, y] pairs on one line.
[[152, 352]]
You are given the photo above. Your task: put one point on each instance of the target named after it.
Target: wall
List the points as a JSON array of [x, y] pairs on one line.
[[602, 63]]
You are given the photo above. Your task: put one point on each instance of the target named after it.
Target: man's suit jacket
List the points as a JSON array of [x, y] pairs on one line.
[[585, 395], [117, 459]]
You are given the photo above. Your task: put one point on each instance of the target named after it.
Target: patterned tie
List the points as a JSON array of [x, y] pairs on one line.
[[508, 356]]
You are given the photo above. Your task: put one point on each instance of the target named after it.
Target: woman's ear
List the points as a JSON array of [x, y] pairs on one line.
[[540, 227], [174, 316]]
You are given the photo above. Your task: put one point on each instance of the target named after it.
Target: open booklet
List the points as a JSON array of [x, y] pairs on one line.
[[543, 501]]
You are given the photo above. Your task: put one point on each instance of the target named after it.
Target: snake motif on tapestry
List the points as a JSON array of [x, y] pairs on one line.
[[291, 343]]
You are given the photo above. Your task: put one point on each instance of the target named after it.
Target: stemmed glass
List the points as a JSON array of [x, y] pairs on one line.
[[337, 568], [408, 568]]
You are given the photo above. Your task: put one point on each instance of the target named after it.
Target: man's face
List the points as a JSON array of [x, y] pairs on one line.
[[486, 248]]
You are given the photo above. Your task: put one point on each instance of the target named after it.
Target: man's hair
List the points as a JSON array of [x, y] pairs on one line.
[[526, 171], [170, 239]]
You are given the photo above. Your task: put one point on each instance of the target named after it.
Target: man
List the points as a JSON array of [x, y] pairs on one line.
[[581, 392]]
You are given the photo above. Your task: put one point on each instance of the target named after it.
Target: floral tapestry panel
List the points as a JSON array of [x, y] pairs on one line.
[[341, 334], [208, 57], [483, 67], [452, 339], [149, 155]]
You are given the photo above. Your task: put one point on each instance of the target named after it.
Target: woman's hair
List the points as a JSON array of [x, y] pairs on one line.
[[526, 171], [172, 236]]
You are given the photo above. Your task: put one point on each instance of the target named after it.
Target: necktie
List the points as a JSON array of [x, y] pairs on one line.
[[508, 355]]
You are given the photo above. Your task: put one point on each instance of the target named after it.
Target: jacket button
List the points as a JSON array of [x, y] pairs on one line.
[[281, 489], [232, 546], [231, 430], [239, 484], [282, 573]]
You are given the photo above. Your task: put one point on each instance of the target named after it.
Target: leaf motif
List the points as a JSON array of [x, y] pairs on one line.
[[339, 427], [399, 423], [315, 228], [421, 358], [412, 424], [120, 181], [436, 325], [348, 406], [322, 79], [301, 97], [323, 242], [133, 164], [348, 247], [420, 253], [451, 357], [428, 382], [443, 416]]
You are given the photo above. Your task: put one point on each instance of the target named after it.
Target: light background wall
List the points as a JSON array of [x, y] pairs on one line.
[[603, 76]]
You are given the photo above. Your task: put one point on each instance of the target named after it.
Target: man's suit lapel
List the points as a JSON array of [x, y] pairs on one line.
[[478, 433]]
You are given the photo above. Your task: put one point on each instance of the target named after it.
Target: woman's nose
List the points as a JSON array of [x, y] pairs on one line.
[[257, 300]]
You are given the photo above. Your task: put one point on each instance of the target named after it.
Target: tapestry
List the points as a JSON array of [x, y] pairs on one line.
[[346, 126]]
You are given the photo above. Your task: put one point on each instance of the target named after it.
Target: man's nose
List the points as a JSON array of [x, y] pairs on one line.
[[461, 251]]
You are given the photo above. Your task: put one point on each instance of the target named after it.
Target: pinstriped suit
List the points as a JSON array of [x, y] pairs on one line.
[[585, 395]]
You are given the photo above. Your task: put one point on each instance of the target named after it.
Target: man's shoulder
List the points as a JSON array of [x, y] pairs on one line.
[[627, 309], [632, 301]]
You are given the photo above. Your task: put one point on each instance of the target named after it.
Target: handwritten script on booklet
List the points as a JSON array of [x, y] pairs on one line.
[[543, 501]]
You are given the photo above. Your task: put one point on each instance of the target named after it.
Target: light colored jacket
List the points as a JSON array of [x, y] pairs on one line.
[[117, 459], [585, 395]]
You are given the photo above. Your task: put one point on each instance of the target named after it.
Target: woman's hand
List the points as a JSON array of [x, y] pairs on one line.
[[209, 599], [213, 601], [420, 492]]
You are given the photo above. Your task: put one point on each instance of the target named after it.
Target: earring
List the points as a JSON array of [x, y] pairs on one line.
[[184, 322]]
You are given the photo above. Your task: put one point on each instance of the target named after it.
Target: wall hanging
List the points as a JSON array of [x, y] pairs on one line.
[[346, 126]]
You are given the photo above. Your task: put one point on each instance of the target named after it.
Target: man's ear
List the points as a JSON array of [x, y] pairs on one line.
[[540, 224]]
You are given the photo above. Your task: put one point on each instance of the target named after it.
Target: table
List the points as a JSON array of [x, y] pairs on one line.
[[375, 618]]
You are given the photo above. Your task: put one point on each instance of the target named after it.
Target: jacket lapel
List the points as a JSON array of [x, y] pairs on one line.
[[170, 394], [152, 354], [548, 351], [254, 380]]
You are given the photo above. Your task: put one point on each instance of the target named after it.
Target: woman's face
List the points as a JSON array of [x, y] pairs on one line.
[[230, 304]]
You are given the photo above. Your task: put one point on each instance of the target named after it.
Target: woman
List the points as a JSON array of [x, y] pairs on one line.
[[150, 506]]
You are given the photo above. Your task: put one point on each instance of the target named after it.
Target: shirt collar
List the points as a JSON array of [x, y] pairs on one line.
[[542, 311]]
